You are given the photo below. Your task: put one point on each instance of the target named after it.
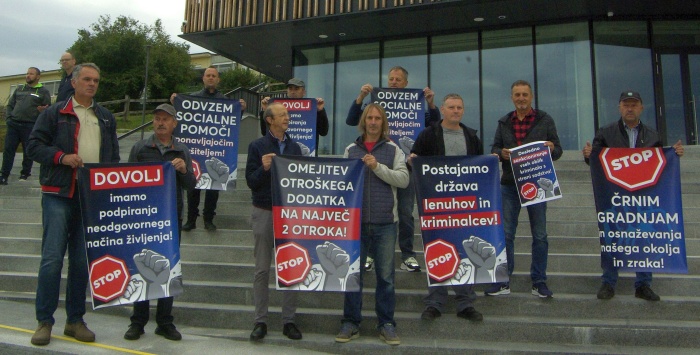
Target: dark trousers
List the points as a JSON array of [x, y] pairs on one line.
[[16, 133], [211, 197]]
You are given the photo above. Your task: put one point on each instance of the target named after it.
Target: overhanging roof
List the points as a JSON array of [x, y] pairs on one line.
[[268, 47]]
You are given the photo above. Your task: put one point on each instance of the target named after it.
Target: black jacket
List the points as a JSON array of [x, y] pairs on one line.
[[431, 141], [260, 181], [542, 129], [615, 135]]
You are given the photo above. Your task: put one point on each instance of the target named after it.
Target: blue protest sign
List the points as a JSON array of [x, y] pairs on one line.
[[405, 111], [639, 209], [316, 208], [459, 203], [131, 234], [534, 173], [302, 123], [210, 128]]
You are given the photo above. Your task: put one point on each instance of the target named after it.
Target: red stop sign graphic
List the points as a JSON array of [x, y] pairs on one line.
[[528, 191], [197, 170], [633, 169], [292, 263], [442, 260], [109, 277]]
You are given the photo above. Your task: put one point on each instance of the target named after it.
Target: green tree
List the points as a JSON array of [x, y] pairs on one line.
[[240, 77], [119, 49]]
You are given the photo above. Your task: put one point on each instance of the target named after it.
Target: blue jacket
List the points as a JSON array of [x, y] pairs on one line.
[[55, 135], [259, 180]]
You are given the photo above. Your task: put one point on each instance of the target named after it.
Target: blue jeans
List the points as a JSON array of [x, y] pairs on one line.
[[610, 273], [63, 225], [538, 228], [405, 200], [16, 133], [380, 238]]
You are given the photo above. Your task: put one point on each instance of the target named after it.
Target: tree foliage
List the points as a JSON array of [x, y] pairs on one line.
[[119, 49], [240, 77]]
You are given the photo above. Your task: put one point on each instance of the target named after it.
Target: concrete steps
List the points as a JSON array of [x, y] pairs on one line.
[[218, 273]]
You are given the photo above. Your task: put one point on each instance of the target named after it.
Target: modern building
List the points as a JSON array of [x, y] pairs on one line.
[[578, 54]]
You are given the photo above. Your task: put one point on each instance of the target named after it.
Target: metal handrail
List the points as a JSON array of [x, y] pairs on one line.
[[135, 130]]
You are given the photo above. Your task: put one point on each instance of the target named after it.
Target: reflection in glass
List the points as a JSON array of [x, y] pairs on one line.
[[506, 57], [564, 81], [623, 62], [454, 68], [411, 54], [315, 67], [673, 98]]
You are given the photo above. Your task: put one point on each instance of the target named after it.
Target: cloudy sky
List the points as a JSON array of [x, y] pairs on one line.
[[36, 32]]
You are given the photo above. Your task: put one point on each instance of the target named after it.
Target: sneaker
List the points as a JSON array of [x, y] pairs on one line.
[[348, 331], [42, 334], [388, 334], [291, 331], [259, 332], [502, 288], [606, 291], [134, 332], [24, 177], [644, 292], [369, 264], [79, 331], [471, 314], [430, 313], [540, 289], [210, 226], [410, 265], [168, 331], [3, 180]]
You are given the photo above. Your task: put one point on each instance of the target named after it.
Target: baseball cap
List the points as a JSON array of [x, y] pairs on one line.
[[169, 109], [296, 82], [630, 95]]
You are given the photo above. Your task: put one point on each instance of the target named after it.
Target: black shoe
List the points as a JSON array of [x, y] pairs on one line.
[[471, 314], [24, 177], [291, 331], [209, 225], [259, 332], [3, 180], [644, 292], [134, 332], [190, 225], [169, 332], [430, 313], [606, 291]]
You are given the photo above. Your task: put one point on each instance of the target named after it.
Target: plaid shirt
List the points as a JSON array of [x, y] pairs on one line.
[[520, 128]]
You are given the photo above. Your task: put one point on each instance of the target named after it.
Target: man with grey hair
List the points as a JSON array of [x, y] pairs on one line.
[[59, 131]]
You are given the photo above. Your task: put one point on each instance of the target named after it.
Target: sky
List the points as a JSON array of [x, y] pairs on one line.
[[34, 33]]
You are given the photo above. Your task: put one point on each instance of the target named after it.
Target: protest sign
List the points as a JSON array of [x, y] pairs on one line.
[[209, 127], [534, 173], [459, 204], [131, 234], [639, 209], [316, 208], [302, 123], [405, 111]]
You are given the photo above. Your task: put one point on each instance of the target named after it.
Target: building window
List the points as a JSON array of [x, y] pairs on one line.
[[623, 62], [454, 68], [506, 57], [412, 55], [565, 82], [358, 64], [315, 68]]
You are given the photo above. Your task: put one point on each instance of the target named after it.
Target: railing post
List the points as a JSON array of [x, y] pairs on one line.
[[127, 102]]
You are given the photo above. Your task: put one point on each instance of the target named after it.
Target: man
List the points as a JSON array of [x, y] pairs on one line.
[[211, 197], [398, 78], [259, 179], [65, 89], [66, 136], [162, 146], [22, 110], [296, 89], [627, 132], [386, 172], [524, 125], [449, 138]]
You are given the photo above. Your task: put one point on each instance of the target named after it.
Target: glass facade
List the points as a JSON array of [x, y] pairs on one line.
[[577, 71]]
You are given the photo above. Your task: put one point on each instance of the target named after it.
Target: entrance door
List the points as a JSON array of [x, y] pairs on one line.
[[679, 78]]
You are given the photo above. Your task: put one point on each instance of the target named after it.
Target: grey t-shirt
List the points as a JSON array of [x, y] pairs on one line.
[[455, 142]]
